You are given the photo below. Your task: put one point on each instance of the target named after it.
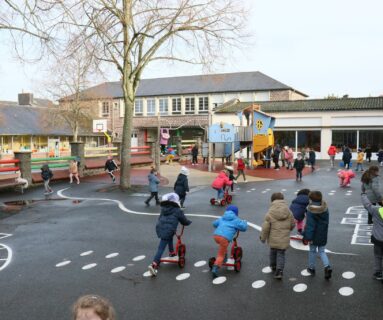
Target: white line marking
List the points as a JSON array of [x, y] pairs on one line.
[[147, 274], [89, 266], [9, 259], [118, 269], [200, 263], [183, 276], [139, 258], [5, 235], [112, 255], [86, 253], [63, 263]]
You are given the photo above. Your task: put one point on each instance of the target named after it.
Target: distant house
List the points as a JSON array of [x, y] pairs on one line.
[[182, 103]]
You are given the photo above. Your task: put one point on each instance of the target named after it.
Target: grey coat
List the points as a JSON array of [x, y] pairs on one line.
[[153, 182], [372, 190], [377, 219]]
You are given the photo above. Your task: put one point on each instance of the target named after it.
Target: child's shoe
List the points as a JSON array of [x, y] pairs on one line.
[[327, 273], [278, 274], [311, 271], [378, 275], [153, 269], [214, 271], [172, 254]]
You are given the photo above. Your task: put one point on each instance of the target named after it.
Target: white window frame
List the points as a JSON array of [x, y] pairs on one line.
[[189, 105], [105, 109], [151, 107], [138, 107], [204, 106], [176, 105], [163, 106]]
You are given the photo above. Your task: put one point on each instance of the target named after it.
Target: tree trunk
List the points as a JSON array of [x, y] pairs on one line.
[[127, 87], [75, 133]]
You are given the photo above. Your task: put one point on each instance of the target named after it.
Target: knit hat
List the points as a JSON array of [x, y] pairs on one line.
[[233, 209], [172, 197], [185, 171]]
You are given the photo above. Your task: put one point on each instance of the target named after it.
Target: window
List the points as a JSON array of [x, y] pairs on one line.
[[285, 138], [189, 105], [176, 105], [105, 109], [150, 107], [138, 107], [344, 137], [309, 139], [203, 104], [163, 106], [373, 138]]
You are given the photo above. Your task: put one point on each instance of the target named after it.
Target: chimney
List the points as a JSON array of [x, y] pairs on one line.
[[25, 99]]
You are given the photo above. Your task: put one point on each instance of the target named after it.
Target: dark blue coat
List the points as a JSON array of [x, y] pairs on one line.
[[317, 220], [181, 186], [347, 155], [312, 156], [171, 215], [298, 206]]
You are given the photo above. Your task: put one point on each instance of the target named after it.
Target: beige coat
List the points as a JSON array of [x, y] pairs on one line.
[[278, 223], [73, 168]]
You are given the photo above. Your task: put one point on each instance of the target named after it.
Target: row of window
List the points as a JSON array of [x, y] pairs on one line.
[[190, 106]]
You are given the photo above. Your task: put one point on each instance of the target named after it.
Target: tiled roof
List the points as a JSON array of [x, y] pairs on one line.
[[199, 84], [342, 104]]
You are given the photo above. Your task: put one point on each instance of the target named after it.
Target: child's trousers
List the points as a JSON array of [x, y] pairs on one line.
[[161, 249], [378, 255], [277, 258], [313, 253], [223, 244]]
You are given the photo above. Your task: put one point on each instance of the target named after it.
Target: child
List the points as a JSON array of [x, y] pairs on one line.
[[377, 234], [170, 156], [181, 186], [380, 157], [241, 168], [23, 182], [220, 184], [93, 307], [278, 223], [289, 157], [47, 175], [299, 165], [371, 186], [166, 227], [359, 160], [230, 171], [111, 166], [332, 153], [315, 233], [345, 177], [312, 157], [73, 171], [153, 186], [225, 229], [298, 208]]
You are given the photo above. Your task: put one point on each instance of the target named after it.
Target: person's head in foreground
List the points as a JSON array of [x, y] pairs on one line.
[[93, 307]]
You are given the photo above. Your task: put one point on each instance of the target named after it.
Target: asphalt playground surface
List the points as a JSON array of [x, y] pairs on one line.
[[94, 238]]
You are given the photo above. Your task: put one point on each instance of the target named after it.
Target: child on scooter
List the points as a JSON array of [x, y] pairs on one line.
[[220, 183], [225, 229], [171, 215]]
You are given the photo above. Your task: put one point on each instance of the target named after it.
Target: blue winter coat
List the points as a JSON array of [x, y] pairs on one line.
[[298, 206], [317, 220], [347, 155], [181, 186], [171, 215], [228, 225], [153, 182]]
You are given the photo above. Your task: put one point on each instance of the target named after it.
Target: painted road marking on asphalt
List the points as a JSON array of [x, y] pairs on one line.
[[139, 258], [147, 274], [267, 270], [118, 269], [63, 263], [112, 255], [348, 275], [362, 232], [219, 280], [183, 276], [6, 252], [300, 287], [200, 263], [86, 253], [258, 284], [346, 291], [5, 235], [305, 273], [89, 266]]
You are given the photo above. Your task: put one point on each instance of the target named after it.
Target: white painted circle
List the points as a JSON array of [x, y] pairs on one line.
[[86, 253], [118, 269], [138, 258], [258, 284], [89, 266], [300, 287], [112, 255], [147, 274], [64, 263], [346, 291], [219, 280], [267, 270], [200, 263], [348, 275], [305, 273], [183, 276]]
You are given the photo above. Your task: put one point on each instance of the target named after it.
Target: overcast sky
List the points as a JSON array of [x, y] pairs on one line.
[[317, 47]]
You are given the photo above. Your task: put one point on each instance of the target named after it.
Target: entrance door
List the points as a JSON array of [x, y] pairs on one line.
[[134, 140]]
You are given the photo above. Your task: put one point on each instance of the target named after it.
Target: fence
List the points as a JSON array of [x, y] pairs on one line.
[[57, 162], [9, 168], [96, 152]]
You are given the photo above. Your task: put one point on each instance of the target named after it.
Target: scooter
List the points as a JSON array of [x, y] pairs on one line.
[[180, 251], [227, 199]]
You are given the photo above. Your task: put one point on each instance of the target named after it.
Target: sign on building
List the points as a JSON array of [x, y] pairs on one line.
[[221, 132]]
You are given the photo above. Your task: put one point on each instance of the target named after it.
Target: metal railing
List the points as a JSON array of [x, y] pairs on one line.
[[55, 162]]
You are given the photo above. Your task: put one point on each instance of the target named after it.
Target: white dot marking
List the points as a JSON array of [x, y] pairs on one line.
[[112, 255], [138, 258], [86, 253], [305, 273], [183, 276], [147, 274], [89, 266], [219, 280], [130, 264], [346, 291], [300, 287], [200, 263], [258, 284], [348, 275], [267, 270], [64, 263], [118, 269]]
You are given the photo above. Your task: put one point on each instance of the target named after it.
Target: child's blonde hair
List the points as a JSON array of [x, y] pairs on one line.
[[99, 305]]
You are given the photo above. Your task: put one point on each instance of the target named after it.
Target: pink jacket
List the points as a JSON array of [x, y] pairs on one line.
[[221, 181]]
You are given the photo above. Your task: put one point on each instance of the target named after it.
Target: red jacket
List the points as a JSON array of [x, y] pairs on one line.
[[221, 181], [241, 165], [331, 151]]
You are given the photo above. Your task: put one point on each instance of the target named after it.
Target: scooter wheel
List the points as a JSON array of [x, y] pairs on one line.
[[211, 262], [182, 250], [181, 262], [229, 199], [223, 202], [237, 265], [212, 201], [237, 254]]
